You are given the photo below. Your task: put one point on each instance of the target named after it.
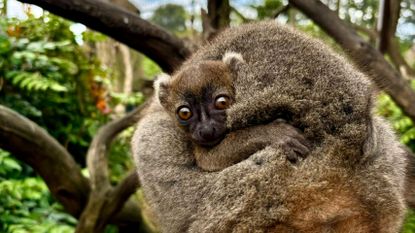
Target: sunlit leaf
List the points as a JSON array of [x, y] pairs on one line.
[[5, 45]]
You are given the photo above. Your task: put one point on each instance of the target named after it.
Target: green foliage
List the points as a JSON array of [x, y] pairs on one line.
[[127, 99], [400, 122], [47, 75], [170, 16], [9, 167], [120, 155], [268, 9], [409, 225], [26, 204], [151, 69]]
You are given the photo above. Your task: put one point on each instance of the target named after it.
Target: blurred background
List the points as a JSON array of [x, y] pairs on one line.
[[63, 84]]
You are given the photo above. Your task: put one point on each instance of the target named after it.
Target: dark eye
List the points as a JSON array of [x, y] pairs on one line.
[[222, 102], [184, 113]]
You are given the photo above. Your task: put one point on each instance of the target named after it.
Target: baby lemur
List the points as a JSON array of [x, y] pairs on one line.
[[198, 97]]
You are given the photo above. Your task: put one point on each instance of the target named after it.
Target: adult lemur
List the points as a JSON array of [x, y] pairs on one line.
[[351, 181]]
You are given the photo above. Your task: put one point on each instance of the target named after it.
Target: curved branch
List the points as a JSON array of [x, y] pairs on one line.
[[367, 58], [34, 146], [165, 49], [122, 192], [106, 200], [388, 20], [97, 152]]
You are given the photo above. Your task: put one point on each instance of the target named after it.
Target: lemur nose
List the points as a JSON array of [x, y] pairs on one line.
[[207, 133]]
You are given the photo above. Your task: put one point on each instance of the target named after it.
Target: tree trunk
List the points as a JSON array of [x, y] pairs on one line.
[[216, 19]]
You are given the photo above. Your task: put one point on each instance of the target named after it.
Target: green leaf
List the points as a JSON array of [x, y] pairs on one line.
[[36, 46], [58, 87], [11, 164], [5, 45]]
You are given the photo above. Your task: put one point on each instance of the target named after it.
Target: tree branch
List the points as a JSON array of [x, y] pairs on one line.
[[106, 200], [123, 191], [159, 45], [218, 13], [387, 23], [216, 19], [367, 58], [34, 146], [398, 60], [97, 152]]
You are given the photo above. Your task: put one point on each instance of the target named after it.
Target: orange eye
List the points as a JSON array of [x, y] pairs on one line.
[[184, 113], [222, 102]]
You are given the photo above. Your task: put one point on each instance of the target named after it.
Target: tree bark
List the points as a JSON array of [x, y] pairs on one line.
[[367, 58], [216, 19], [106, 200], [128, 70], [388, 20], [165, 49], [34, 146], [218, 13]]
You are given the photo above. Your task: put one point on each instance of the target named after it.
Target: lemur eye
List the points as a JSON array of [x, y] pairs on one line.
[[184, 113], [222, 102]]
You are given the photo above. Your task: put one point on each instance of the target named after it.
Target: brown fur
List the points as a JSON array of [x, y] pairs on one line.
[[240, 144], [353, 180]]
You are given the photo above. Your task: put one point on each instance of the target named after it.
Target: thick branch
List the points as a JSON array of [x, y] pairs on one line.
[[398, 60], [387, 23], [34, 146], [388, 15], [123, 191], [126, 27], [367, 58], [216, 19], [218, 13]]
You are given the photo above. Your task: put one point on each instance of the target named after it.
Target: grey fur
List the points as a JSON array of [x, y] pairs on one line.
[[353, 180]]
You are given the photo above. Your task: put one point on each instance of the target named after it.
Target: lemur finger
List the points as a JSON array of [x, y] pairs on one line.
[[299, 148]]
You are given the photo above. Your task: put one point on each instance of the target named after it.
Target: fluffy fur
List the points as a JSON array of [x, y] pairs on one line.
[[353, 181]]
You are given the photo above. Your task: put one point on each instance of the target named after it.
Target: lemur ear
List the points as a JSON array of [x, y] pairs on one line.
[[161, 88], [233, 60]]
